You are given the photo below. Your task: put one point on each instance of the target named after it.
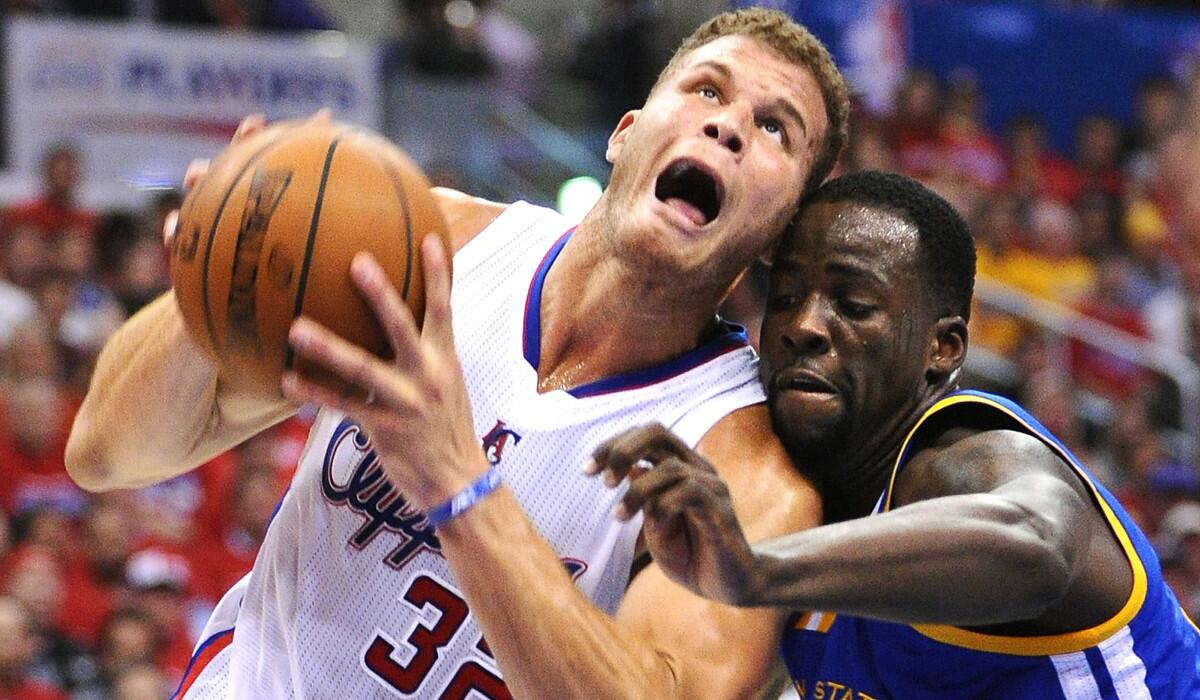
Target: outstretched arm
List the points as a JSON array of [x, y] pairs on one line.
[[987, 506]]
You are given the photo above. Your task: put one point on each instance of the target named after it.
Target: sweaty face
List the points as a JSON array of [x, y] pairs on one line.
[[708, 172], [846, 332]]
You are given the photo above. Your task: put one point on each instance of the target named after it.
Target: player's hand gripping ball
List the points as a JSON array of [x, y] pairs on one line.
[[268, 235]]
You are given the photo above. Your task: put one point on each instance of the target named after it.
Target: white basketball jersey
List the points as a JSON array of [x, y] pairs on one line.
[[350, 596]]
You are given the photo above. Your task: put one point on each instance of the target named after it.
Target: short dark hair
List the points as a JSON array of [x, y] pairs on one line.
[[944, 240]]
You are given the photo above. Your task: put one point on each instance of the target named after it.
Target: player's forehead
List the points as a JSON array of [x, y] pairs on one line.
[[849, 235], [754, 64]]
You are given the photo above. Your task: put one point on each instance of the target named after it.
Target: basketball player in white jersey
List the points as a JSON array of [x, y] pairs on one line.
[[440, 534]]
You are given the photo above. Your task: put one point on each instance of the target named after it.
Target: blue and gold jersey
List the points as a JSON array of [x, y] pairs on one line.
[[1148, 649]]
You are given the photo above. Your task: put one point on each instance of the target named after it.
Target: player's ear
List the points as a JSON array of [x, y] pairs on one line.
[[947, 349], [616, 142]]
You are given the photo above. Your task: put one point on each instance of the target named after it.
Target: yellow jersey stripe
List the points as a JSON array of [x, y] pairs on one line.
[[1045, 644]]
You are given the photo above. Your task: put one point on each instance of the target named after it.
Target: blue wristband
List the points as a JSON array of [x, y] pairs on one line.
[[463, 500]]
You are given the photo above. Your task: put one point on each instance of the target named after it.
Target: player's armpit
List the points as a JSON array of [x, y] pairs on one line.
[[466, 216], [718, 651]]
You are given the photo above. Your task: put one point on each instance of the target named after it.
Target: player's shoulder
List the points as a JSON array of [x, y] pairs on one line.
[[771, 494], [466, 215], [968, 459]]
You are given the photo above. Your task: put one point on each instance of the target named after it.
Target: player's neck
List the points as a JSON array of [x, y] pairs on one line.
[[855, 475], [601, 318]]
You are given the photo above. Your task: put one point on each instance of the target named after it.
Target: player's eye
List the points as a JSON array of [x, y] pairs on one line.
[[773, 129], [779, 302], [708, 92], [854, 309]]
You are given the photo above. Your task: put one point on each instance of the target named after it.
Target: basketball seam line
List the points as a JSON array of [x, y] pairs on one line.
[[402, 195], [212, 235], [289, 358]]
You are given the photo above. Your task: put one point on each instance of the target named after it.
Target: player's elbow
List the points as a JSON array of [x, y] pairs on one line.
[[1038, 548], [86, 461]]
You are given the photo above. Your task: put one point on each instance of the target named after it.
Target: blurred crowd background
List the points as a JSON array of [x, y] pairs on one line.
[[1088, 310]]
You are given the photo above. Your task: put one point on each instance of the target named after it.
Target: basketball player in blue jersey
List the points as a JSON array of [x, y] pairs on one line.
[[439, 539], [992, 564]]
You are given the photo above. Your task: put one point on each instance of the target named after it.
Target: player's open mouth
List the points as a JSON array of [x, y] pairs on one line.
[[692, 189]]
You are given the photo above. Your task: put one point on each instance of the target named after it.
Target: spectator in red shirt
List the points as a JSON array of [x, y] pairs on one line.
[[1033, 170], [96, 577], [35, 415], [224, 559], [128, 639], [968, 150], [16, 652], [35, 580], [56, 209], [1098, 154], [161, 583], [916, 122]]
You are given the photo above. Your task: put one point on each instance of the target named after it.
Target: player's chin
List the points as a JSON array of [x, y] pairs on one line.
[[803, 420]]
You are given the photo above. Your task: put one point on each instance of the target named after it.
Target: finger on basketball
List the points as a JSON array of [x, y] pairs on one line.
[[323, 348], [434, 259], [250, 125], [393, 314], [300, 390], [321, 117], [196, 169], [170, 224]]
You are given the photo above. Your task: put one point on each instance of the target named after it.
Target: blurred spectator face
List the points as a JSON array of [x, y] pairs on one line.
[[108, 534], [999, 222], [31, 352], [74, 253], [141, 274], [870, 151], [1097, 215], [61, 173], [166, 511], [141, 682], [1098, 143], [48, 528], [25, 256], [19, 643], [33, 413], [55, 296], [1159, 106], [919, 98], [1026, 140], [128, 638], [1055, 230], [964, 100], [35, 580]]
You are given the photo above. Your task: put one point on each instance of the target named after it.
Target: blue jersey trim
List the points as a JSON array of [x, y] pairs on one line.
[[532, 337], [216, 636], [732, 337], [1103, 678]]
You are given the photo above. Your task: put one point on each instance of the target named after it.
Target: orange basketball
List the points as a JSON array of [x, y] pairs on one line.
[[268, 235]]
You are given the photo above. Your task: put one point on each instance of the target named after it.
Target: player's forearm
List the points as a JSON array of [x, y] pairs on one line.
[[960, 560], [549, 640], [151, 410]]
